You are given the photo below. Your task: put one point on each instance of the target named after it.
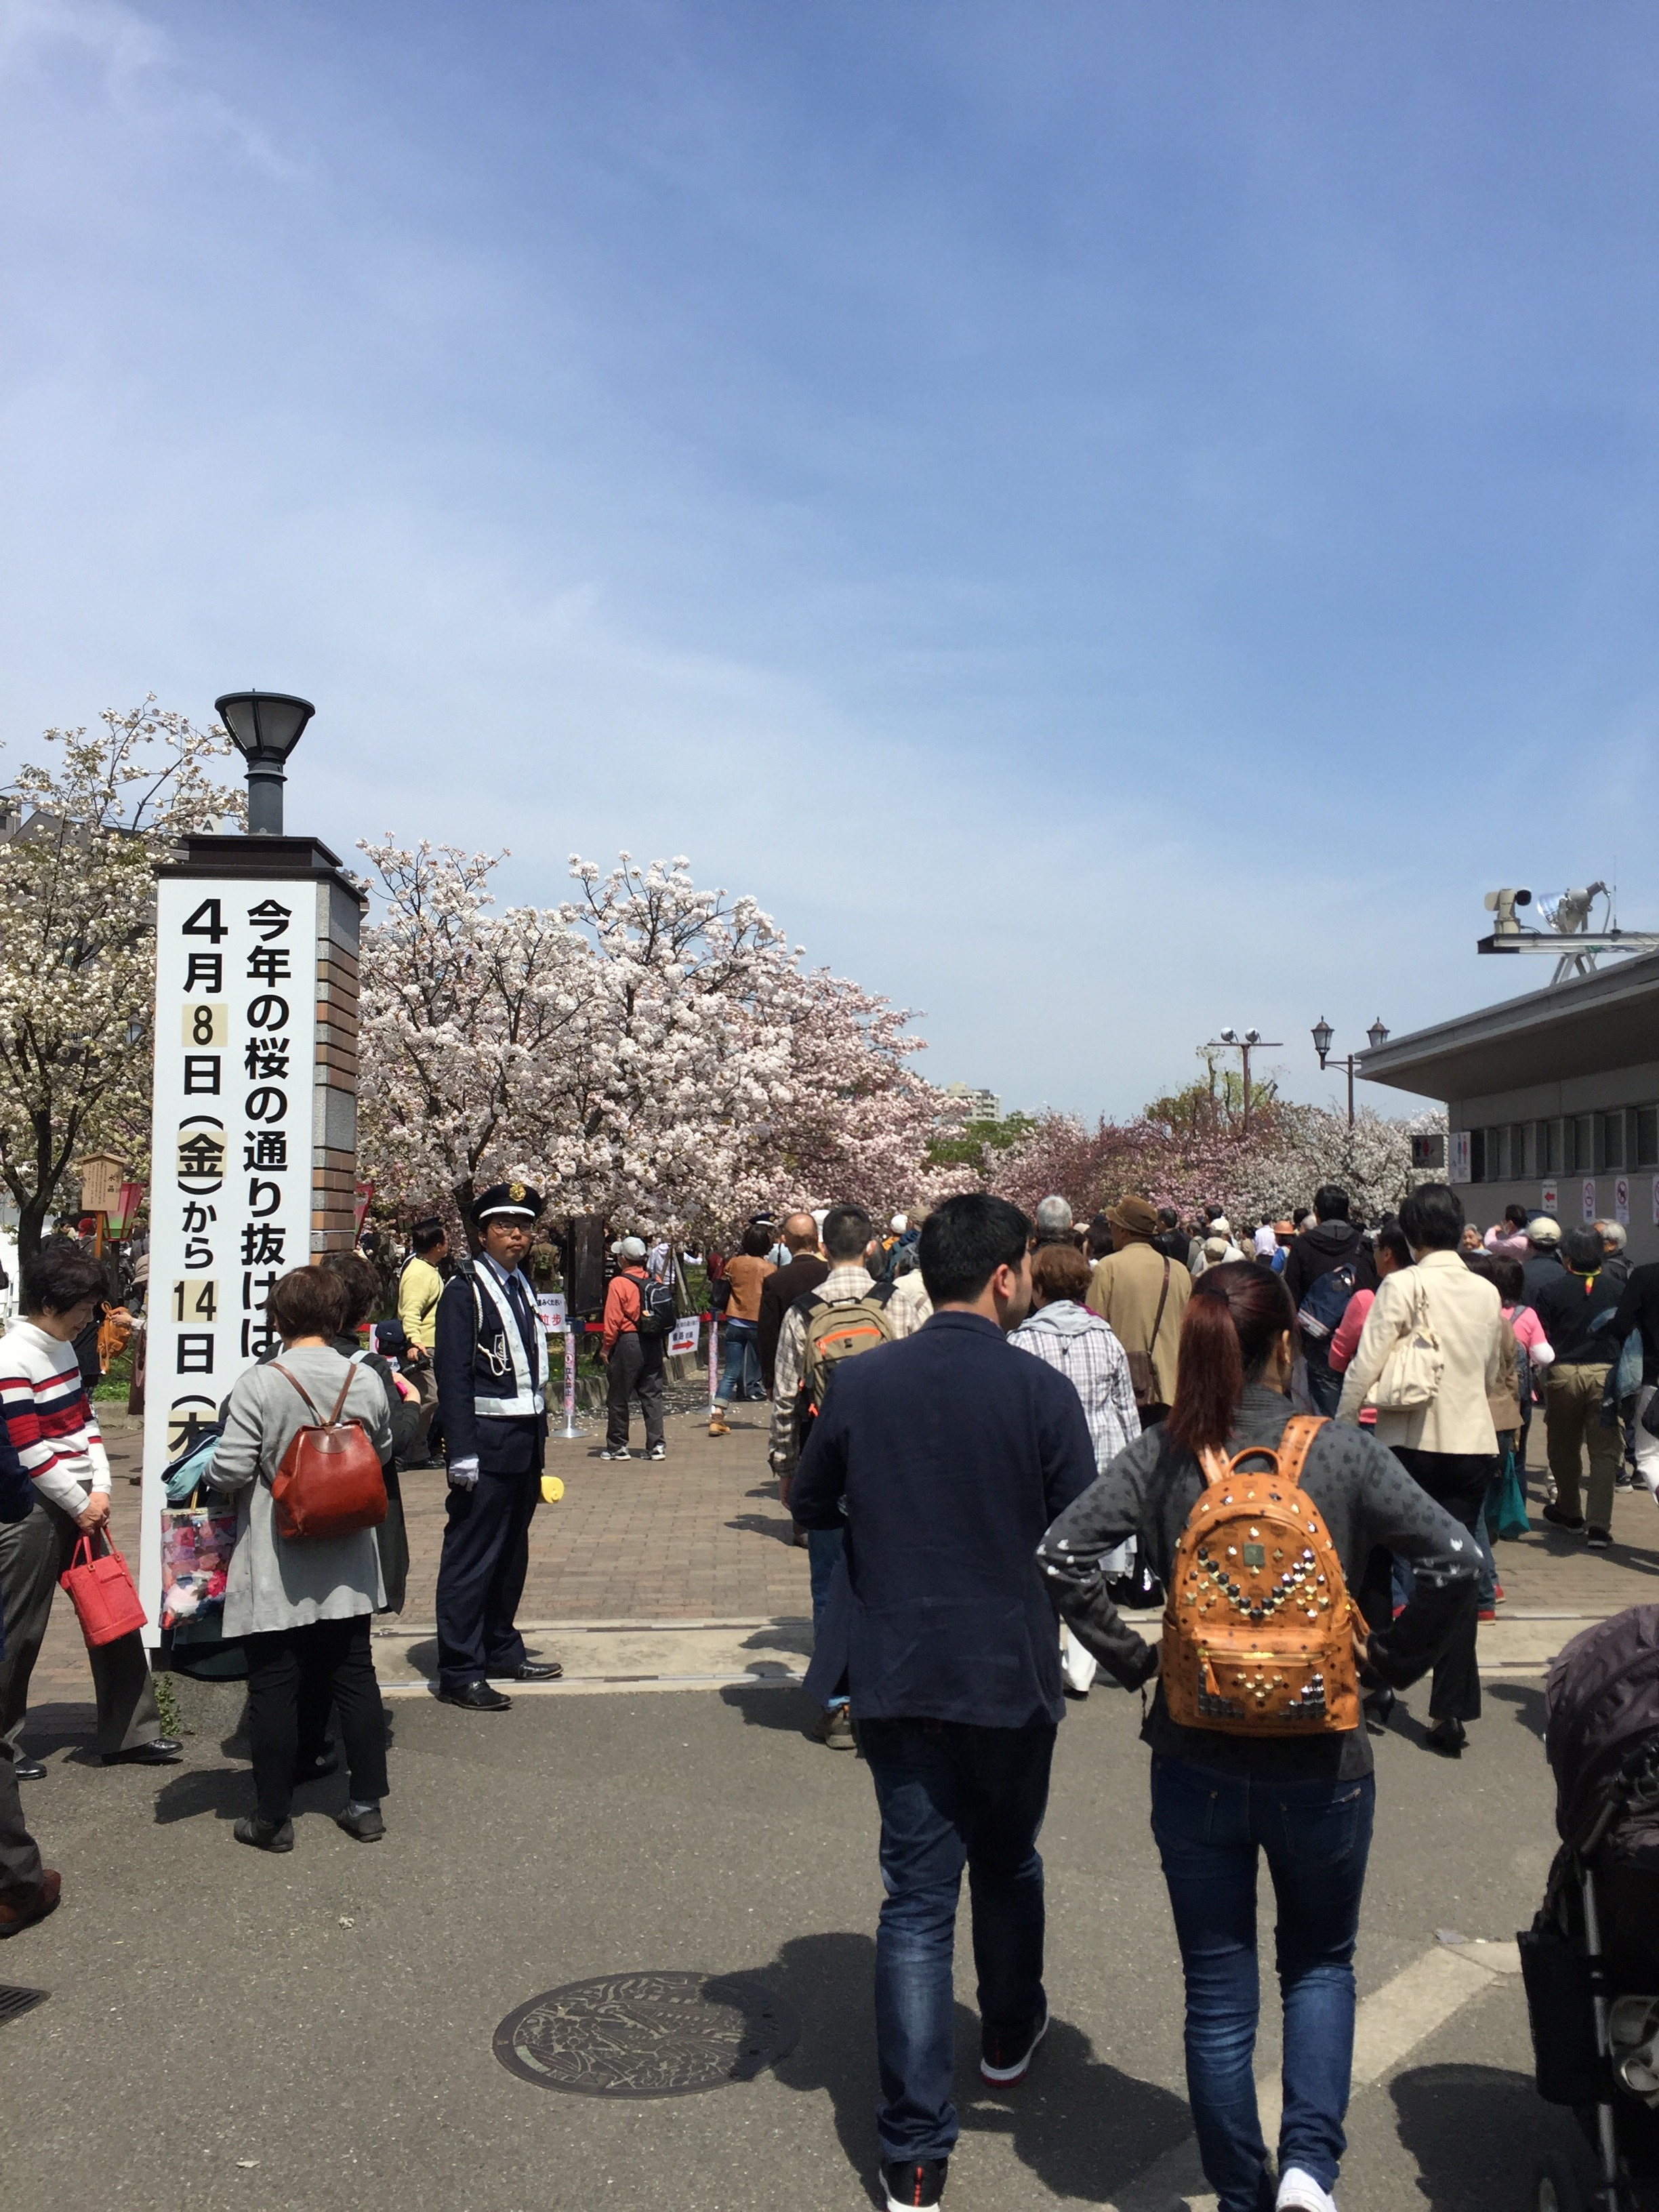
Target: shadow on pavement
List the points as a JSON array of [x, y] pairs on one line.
[[1476, 2134], [225, 1792], [762, 1524], [1525, 1702], [791, 1710], [1082, 2127]]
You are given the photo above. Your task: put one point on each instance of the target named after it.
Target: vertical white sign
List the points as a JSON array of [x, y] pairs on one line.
[[1621, 1200], [1457, 1157], [1551, 1199], [1589, 1198], [230, 1183]]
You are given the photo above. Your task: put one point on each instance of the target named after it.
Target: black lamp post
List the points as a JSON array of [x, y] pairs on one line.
[[1323, 1034], [264, 726]]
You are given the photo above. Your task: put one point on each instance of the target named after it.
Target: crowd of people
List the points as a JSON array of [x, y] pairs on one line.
[[1002, 1443]]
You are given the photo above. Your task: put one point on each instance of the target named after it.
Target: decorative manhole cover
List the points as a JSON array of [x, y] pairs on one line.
[[647, 2035]]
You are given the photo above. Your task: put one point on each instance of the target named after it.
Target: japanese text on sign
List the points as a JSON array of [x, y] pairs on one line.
[[230, 1210]]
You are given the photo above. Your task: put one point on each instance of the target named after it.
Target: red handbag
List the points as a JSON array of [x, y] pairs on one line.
[[102, 1593]]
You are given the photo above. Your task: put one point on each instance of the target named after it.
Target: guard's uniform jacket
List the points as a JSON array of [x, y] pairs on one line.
[[490, 1364]]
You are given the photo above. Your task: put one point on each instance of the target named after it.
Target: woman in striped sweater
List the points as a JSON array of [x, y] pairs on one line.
[[54, 1432]]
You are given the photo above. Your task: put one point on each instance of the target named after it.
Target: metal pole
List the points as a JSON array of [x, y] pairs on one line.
[[1245, 1049], [1351, 1091], [714, 1350], [570, 1430], [265, 780]]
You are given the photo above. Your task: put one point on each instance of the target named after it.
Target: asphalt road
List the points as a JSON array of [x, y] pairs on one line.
[[230, 2030]]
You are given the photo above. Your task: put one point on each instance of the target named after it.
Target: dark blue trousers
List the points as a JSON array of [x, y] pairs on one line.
[[486, 1556]]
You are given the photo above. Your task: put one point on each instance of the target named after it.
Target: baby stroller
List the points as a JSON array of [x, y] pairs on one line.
[[1590, 1961]]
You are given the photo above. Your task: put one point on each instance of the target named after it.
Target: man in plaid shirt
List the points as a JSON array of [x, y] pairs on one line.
[[1062, 1331]]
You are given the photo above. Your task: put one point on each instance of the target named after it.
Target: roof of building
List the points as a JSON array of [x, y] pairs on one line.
[[1585, 1026]]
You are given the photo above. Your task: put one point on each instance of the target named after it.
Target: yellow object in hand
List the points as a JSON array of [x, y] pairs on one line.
[[552, 1490]]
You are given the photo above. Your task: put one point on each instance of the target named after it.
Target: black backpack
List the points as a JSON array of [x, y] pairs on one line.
[[656, 1315]]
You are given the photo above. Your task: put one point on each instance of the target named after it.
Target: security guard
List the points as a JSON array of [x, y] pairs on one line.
[[490, 1359]]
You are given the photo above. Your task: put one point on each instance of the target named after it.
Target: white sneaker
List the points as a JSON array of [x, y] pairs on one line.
[[621, 1452], [658, 1451], [1300, 2192]]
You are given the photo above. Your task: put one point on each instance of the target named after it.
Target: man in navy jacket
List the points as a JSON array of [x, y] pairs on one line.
[[943, 1457]]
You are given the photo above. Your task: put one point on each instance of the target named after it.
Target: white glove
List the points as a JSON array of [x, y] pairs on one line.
[[464, 1473]]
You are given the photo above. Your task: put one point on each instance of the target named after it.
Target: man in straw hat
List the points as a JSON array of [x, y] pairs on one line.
[[1142, 1293]]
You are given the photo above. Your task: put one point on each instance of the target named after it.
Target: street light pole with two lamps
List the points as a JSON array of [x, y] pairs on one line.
[[1252, 1041], [1323, 1034]]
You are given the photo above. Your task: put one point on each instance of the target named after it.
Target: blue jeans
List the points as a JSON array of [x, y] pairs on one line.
[[824, 1549], [739, 1349], [951, 1795], [1209, 1824]]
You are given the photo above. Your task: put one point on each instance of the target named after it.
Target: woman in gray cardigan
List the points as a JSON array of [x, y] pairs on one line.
[[302, 1609]]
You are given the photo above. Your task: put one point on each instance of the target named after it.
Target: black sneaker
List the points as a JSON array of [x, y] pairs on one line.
[[1557, 1519], [1598, 1539], [1002, 2063], [909, 2185]]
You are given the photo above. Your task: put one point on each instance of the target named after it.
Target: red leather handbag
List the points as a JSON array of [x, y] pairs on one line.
[[102, 1593], [330, 1482]]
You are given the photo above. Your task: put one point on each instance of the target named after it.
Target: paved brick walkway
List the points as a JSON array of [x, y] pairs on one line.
[[699, 1536]]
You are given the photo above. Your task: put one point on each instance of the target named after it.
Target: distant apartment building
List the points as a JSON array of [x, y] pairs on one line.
[[981, 1105]]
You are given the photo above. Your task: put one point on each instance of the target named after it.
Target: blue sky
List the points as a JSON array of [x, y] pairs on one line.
[[1112, 520]]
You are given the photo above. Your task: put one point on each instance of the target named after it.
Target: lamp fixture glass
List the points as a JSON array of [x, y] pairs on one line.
[[1323, 1034], [1378, 1033], [263, 725]]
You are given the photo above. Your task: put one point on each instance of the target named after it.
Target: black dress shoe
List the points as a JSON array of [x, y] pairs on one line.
[[28, 1770], [163, 1752], [266, 1835], [1378, 1706], [1447, 1737], [476, 1698], [534, 1670]]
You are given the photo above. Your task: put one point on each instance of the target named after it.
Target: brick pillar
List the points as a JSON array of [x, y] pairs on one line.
[[334, 1152]]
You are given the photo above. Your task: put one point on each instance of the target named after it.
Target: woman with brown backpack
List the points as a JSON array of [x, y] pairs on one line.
[[1258, 1523], [304, 1439]]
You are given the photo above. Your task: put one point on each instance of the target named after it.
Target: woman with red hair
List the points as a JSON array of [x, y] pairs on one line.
[[1219, 1799]]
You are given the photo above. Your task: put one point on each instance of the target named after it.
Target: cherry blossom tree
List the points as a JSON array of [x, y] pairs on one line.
[[647, 1050], [471, 1024], [77, 940]]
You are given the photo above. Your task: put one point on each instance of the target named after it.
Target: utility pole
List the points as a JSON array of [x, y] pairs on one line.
[[1252, 1041]]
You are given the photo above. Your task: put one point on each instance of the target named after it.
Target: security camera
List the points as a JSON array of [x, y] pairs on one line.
[[1503, 904]]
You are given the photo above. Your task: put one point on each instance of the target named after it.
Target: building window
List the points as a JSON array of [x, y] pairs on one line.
[[1647, 1136], [1609, 1142], [1477, 1156], [1547, 1147], [1578, 1136], [1517, 1148]]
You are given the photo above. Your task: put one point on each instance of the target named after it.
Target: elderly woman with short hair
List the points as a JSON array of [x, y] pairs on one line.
[[54, 1432], [302, 1609]]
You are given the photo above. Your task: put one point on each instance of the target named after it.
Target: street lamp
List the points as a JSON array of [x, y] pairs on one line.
[[1323, 1034], [1252, 1041], [265, 727]]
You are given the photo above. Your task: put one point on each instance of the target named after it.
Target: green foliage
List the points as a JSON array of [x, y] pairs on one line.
[[968, 1147]]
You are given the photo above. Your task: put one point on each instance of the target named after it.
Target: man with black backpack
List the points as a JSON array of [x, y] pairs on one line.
[[1321, 1274], [639, 1313], [845, 1315]]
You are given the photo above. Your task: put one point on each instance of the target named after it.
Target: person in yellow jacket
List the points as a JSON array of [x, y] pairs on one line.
[[419, 1288]]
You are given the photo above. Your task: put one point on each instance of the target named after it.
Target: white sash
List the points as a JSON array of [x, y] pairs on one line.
[[527, 1397]]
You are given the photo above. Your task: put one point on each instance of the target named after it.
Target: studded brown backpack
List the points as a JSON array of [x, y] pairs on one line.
[[1257, 1631]]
